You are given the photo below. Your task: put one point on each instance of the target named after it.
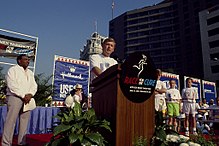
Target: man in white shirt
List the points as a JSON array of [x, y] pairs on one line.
[[100, 62], [21, 87], [189, 96]]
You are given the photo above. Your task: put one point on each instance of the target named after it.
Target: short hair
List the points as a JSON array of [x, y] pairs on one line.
[[158, 71], [109, 40], [188, 80], [19, 57], [172, 80]]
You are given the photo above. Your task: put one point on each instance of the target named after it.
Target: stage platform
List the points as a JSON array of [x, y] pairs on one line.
[[34, 139], [42, 139]]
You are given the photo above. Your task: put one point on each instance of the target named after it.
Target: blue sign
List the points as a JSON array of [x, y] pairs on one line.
[[166, 77], [67, 73], [209, 90]]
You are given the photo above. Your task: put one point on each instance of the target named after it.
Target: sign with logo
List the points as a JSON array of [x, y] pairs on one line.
[[12, 47], [196, 83], [138, 77], [166, 77], [209, 90], [67, 73]]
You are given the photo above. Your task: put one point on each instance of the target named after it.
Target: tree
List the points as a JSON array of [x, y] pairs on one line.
[[2, 86], [44, 89]]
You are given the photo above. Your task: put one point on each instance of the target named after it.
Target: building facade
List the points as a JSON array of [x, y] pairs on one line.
[[93, 46], [209, 28], [169, 31]]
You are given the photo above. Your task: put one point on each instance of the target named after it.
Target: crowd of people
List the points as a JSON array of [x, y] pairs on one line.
[[175, 106]]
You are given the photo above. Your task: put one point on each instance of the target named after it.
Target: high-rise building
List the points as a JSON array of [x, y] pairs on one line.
[[209, 27], [169, 31], [93, 46]]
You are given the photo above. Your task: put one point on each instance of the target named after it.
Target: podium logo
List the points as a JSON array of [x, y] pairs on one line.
[[138, 77], [139, 81], [141, 64]]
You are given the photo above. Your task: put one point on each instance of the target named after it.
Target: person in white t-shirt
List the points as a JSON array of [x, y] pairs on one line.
[[173, 98], [100, 62], [189, 96], [160, 90]]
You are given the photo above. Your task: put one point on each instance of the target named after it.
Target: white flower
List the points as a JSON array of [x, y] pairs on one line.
[[183, 138], [73, 104], [172, 138], [184, 144], [193, 144]]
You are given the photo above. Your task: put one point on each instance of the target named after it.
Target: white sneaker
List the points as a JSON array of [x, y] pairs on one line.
[[195, 133], [187, 133], [207, 127]]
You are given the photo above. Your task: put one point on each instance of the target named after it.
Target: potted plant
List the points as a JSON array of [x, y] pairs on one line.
[[78, 128]]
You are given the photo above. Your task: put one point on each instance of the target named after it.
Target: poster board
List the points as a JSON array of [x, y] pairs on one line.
[[67, 73], [166, 77], [12, 44], [209, 90]]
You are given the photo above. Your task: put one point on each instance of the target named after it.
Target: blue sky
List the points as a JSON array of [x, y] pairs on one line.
[[62, 26]]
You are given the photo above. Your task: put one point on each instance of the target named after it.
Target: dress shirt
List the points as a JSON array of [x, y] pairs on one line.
[[20, 82]]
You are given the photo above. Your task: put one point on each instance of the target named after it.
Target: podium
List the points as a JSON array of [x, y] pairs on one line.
[[129, 120]]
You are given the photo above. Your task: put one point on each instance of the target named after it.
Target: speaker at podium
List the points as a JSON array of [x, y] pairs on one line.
[[124, 96]]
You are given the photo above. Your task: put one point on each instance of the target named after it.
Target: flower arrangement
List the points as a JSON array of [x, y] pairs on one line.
[[165, 136], [181, 140]]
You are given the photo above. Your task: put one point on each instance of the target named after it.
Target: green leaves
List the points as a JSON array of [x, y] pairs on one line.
[[44, 89], [160, 132], [73, 137], [61, 128], [79, 127], [96, 138]]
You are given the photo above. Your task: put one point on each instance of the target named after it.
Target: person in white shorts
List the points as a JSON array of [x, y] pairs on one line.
[[160, 91], [189, 96]]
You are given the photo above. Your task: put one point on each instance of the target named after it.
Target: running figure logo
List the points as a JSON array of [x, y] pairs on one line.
[[141, 63]]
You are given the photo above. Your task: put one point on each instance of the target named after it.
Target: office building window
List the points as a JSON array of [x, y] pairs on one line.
[[215, 69], [214, 44], [186, 23], [186, 15], [185, 1], [213, 20], [214, 57], [213, 32], [132, 16], [196, 4], [185, 9]]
